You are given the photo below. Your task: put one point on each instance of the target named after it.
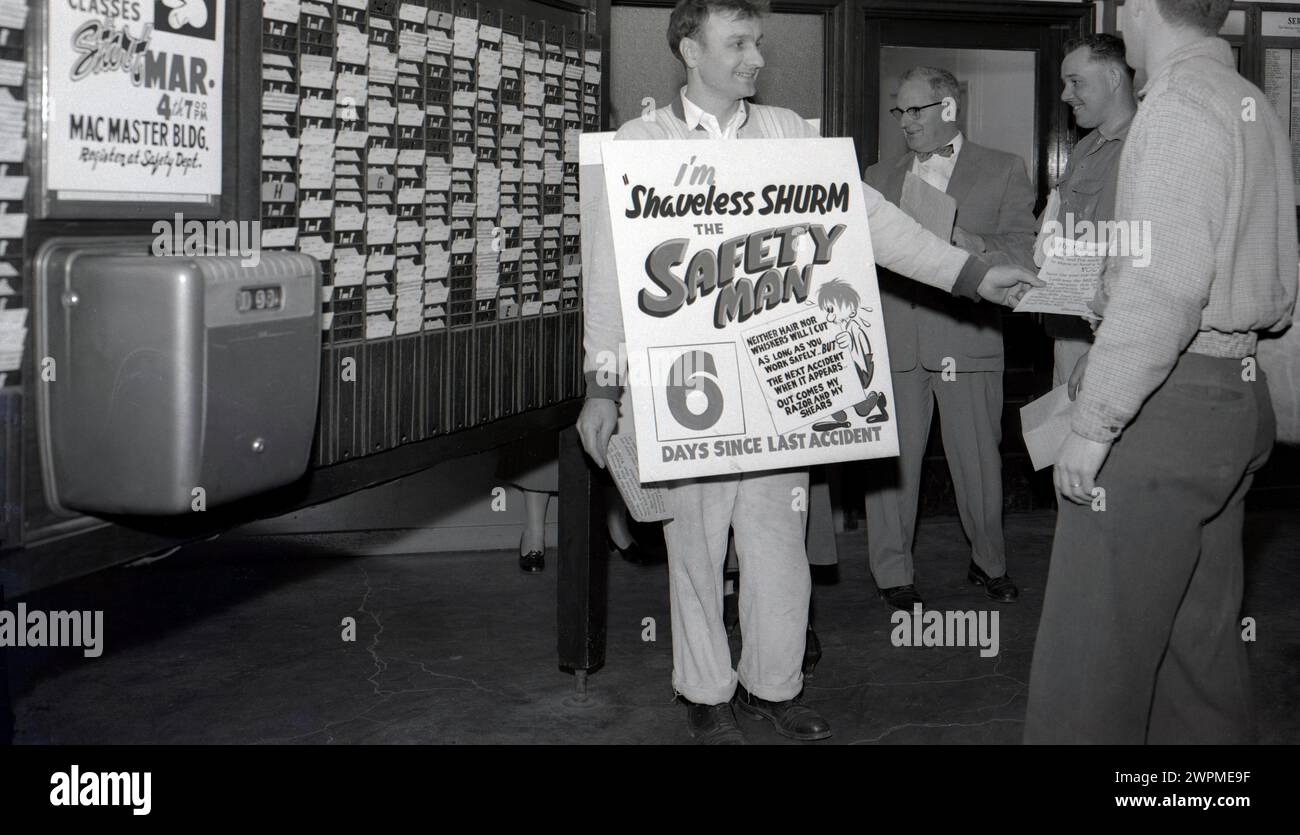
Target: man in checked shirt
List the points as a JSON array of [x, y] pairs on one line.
[[1139, 639]]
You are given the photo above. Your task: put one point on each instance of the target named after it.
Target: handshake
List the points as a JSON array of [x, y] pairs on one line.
[[1002, 285], [1006, 284]]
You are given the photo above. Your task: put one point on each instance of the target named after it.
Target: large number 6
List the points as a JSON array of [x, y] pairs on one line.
[[694, 371]]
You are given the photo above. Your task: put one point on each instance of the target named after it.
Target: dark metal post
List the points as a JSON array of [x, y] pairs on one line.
[[583, 567]]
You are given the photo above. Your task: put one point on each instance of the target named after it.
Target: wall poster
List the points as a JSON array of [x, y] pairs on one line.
[[132, 93]]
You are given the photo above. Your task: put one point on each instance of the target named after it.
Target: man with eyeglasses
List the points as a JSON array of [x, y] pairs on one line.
[[943, 349]]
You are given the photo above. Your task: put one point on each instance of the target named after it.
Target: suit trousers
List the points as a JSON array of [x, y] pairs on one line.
[[767, 511], [970, 415], [1139, 639]]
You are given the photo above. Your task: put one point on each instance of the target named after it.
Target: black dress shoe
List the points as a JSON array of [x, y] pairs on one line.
[[533, 562], [731, 602], [713, 724], [901, 597], [1001, 589], [792, 718], [635, 554], [812, 653]]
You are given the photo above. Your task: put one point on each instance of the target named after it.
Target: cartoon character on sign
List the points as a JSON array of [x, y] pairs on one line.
[[193, 13], [841, 304]]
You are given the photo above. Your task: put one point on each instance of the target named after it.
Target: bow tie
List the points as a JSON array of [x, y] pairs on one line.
[[945, 151]]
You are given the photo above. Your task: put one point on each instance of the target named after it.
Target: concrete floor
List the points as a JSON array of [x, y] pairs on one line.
[[241, 642]]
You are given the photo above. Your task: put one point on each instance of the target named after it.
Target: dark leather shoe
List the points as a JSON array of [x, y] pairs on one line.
[[533, 562], [901, 597], [713, 724], [731, 603], [812, 653], [636, 554], [792, 718], [1001, 589]]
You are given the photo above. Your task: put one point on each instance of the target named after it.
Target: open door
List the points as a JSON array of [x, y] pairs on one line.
[[1008, 56]]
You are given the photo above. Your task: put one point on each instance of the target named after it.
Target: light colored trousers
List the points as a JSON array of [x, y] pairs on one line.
[[819, 539], [970, 414], [768, 513]]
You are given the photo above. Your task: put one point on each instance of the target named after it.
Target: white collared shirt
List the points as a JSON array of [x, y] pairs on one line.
[[937, 170], [695, 117]]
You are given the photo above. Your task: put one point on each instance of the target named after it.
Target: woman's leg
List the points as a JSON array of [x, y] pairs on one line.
[[534, 538], [532, 544]]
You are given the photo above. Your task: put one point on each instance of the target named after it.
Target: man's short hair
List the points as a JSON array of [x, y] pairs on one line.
[[689, 16], [1103, 48], [839, 293], [1204, 15], [942, 83]]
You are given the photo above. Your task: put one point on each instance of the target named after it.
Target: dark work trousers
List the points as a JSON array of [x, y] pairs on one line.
[[1140, 638]]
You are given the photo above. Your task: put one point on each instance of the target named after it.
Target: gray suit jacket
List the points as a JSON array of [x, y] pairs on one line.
[[995, 201]]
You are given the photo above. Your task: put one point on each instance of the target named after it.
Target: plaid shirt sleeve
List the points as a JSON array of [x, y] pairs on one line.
[[1175, 179]]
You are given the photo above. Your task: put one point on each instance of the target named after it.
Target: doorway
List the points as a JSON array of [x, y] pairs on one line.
[[996, 107], [990, 46]]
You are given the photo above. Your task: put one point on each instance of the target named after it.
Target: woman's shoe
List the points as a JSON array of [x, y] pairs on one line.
[[634, 553], [534, 562], [812, 653]]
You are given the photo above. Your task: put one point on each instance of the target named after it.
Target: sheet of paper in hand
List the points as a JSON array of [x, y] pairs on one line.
[[1045, 424], [750, 307], [1047, 233], [1071, 282], [645, 504], [935, 210]]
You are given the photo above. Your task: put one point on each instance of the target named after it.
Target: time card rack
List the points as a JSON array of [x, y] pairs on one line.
[[13, 189], [427, 154], [13, 229]]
